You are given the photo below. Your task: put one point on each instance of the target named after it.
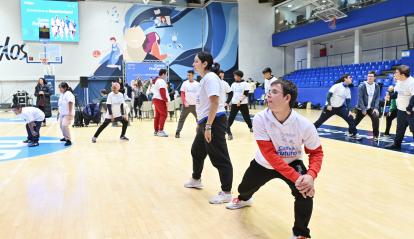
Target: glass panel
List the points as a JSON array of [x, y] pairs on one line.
[[410, 31]]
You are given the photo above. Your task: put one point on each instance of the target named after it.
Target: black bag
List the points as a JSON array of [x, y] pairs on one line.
[[78, 122]]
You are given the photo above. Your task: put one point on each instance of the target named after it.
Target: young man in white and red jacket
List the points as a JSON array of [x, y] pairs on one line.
[[160, 100], [280, 133]]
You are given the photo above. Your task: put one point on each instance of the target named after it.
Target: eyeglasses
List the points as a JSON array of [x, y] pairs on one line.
[[274, 92]]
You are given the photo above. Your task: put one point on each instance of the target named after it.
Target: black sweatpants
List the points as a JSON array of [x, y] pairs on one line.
[[389, 120], [374, 120], [108, 121], [341, 112], [244, 109], [137, 106], [403, 120], [36, 128], [216, 150], [256, 176]]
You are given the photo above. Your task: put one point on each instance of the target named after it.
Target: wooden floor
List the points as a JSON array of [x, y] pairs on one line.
[[134, 189]]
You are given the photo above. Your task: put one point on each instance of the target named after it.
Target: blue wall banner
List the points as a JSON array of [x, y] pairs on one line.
[[143, 70]]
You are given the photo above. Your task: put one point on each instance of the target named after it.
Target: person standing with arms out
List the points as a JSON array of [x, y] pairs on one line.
[[34, 118], [252, 101], [42, 94], [268, 78], [211, 129], [280, 133], [239, 102], [66, 105], [405, 104], [339, 103], [390, 97], [160, 100], [189, 91], [115, 105], [368, 103]]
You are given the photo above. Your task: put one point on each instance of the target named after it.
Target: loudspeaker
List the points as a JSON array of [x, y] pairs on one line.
[[83, 81]]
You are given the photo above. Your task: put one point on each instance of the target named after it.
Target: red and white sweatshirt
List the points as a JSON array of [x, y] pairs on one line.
[[159, 90], [281, 143]]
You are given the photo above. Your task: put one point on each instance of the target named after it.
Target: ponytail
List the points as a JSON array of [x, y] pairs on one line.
[[215, 68], [65, 86]]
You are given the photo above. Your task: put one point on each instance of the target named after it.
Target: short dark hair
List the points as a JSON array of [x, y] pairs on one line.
[[16, 106], [371, 72], [342, 79], [289, 88], [267, 70], [404, 70], [238, 73], [162, 72], [191, 72]]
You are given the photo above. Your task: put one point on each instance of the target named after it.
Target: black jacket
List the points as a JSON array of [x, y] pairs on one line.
[[46, 99]]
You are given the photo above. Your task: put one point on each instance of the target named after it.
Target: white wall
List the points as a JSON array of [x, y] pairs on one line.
[[382, 39], [78, 59], [256, 25]]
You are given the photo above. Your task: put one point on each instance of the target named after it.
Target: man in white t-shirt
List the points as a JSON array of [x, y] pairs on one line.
[[189, 91], [268, 78], [338, 102], [252, 101], [405, 104], [283, 136], [239, 102], [34, 118], [225, 90], [160, 100]]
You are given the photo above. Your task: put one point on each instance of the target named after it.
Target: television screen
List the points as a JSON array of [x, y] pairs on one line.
[[49, 20]]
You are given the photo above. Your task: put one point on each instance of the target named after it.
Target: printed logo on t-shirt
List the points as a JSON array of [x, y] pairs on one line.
[[288, 151]]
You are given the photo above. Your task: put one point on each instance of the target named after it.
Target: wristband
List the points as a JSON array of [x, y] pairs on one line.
[[208, 127]]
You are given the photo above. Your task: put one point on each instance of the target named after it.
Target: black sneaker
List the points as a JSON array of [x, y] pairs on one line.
[[62, 140], [27, 141], [393, 146], [123, 138], [68, 143], [251, 130], [177, 135], [229, 137], [33, 144]]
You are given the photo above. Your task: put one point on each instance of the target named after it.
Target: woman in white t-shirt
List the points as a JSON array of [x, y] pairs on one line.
[[66, 111], [116, 111], [239, 102], [211, 129], [338, 102]]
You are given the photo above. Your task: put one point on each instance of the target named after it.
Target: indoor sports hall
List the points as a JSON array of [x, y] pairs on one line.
[[206, 119]]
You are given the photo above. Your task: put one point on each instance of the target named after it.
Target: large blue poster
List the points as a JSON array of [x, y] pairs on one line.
[[142, 70]]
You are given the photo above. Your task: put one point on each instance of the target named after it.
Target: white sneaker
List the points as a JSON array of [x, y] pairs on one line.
[[194, 183], [162, 134], [221, 197], [237, 204]]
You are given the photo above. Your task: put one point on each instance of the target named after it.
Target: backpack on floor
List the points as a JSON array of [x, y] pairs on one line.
[[78, 121], [91, 113]]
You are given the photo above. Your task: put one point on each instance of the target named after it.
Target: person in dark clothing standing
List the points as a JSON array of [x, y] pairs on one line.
[[239, 102], [392, 112], [368, 103], [339, 103], [42, 94]]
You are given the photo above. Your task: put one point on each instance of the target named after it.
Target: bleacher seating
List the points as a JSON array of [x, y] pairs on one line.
[[326, 76]]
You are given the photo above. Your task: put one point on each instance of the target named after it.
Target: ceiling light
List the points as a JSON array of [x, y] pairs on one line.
[[290, 5]]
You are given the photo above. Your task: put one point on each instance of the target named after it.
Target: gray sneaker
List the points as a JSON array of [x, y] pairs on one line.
[[220, 198], [194, 183]]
